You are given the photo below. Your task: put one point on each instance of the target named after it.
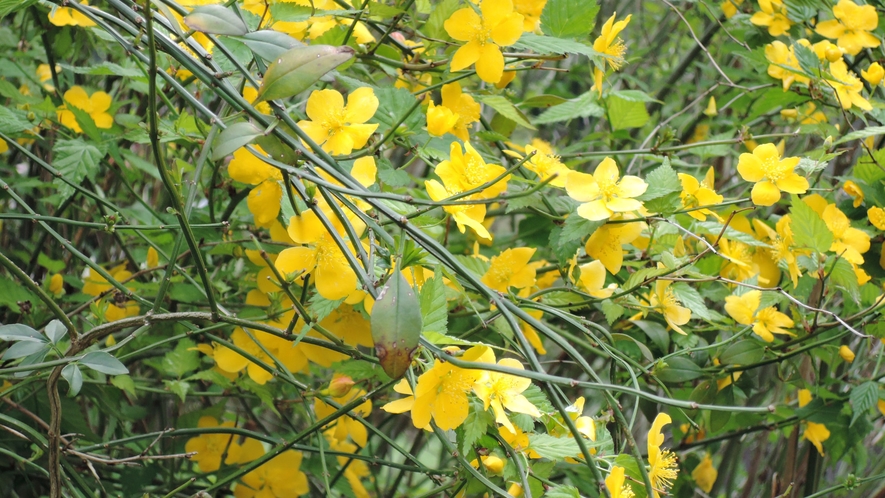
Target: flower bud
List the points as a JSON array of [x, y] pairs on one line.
[[833, 53], [493, 464], [873, 74], [789, 114], [846, 353], [340, 386]]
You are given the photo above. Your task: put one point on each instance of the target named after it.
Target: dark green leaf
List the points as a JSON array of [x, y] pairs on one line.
[[71, 373], [269, 44], [233, 138], [678, 370], [744, 352]]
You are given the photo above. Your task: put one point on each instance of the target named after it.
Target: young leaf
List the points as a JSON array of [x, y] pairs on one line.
[[662, 181], [862, 398], [809, 230], [554, 448], [56, 331], [505, 108], [71, 373], [569, 18], [434, 308]]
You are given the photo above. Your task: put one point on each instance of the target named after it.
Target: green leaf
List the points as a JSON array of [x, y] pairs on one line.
[[56, 331], [269, 44], [662, 181], [642, 275], [505, 108], [582, 106], [434, 308], [744, 352], [181, 360], [562, 492], [104, 363], [634, 95], [869, 131], [13, 121], [862, 398], [53, 265], [656, 332], [10, 6], [216, 20], [299, 68], [631, 468], [475, 425], [24, 348], [678, 370], [360, 370], [809, 230], [553, 448], [20, 332], [178, 387], [378, 9], [393, 103], [543, 101], [125, 383], [321, 307], [434, 27], [71, 373], [536, 396], [691, 299], [75, 160], [233, 138], [624, 114], [105, 69], [842, 274], [396, 325], [553, 45], [577, 228], [612, 311], [569, 18], [564, 251]]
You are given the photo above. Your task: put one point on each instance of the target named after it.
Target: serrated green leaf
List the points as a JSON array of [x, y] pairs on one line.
[[553, 45], [105, 69], [11, 6], [809, 230], [75, 160], [505, 108], [475, 425], [862, 398], [564, 251], [582, 106], [178, 387], [612, 311], [536, 396], [870, 131], [691, 299], [662, 181], [434, 307], [13, 121], [553, 448], [624, 114], [126, 384], [562, 491], [578, 228], [543, 101], [441, 11], [569, 18], [842, 274]]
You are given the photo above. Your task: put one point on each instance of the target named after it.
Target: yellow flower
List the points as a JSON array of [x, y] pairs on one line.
[[877, 217], [250, 94], [604, 192], [441, 392], [873, 74], [354, 470], [730, 7], [233, 362], [465, 215], [773, 16], [68, 16], [462, 105], [664, 300], [531, 13], [56, 284], [849, 242], [467, 170], [711, 110], [346, 425], [440, 120], [338, 128], [322, 257], [766, 321], [784, 65], [545, 165], [402, 405], [663, 467], [606, 243], [705, 474], [3, 146], [854, 191], [492, 463], [511, 269], [816, 434], [880, 405], [847, 87], [280, 477], [498, 26], [610, 44], [804, 397], [96, 105], [592, 280], [263, 200], [209, 448], [771, 174], [500, 391], [44, 74], [616, 485], [852, 26], [695, 194], [809, 115], [846, 353]]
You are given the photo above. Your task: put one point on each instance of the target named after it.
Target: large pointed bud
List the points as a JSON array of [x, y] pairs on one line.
[[396, 325], [215, 20], [298, 68]]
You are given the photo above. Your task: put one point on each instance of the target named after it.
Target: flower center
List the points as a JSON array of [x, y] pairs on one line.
[[334, 122], [474, 170]]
